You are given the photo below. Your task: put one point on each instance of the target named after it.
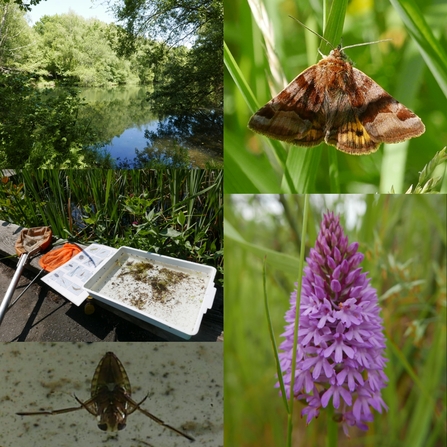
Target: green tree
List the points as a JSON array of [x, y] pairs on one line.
[[25, 5], [188, 84], [18, 42], [39, 128], [80, 49]]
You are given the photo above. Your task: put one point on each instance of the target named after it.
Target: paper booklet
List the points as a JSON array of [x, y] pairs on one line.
[[68, 279]]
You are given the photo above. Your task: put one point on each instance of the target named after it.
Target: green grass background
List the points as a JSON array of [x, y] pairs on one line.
[[404, 241], [412, 68]]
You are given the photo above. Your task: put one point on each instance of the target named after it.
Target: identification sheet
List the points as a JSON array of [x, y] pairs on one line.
[[68, 279]]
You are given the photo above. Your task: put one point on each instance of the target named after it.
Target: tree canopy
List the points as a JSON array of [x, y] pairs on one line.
[[25, 5], [174, 21], [188, 84], [78, 48]]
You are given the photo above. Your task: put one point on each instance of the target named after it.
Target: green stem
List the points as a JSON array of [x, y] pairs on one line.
[[297, 316], [272, 339], [333, 171], [332, 427]]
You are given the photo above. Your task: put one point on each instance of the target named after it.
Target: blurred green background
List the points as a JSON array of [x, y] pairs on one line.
[[254, 164], [403, 238]]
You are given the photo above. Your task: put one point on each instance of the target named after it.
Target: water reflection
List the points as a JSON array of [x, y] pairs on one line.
[[126, 129]]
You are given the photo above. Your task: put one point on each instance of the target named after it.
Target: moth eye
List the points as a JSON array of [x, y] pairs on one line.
[[102, 427], [121, 426]]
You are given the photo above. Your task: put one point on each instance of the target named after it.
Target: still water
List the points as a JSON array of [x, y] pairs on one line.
[[124, 124]]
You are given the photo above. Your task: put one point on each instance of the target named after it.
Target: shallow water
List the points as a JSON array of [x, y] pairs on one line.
[[121, 116]]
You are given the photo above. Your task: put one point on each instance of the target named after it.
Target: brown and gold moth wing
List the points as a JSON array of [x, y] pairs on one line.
[[385, 119], [335, 102], [295, 114]]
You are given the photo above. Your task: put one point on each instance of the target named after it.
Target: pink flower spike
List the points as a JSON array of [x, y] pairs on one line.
[[340, 338]]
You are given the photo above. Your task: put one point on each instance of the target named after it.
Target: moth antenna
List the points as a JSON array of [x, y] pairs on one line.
[[342, 48], [365, 43], [312, 31]]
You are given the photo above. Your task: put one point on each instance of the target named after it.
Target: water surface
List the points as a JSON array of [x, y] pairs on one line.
[[124, 124]]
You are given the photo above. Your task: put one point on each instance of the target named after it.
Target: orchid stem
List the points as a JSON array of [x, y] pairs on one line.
[[297, 317]]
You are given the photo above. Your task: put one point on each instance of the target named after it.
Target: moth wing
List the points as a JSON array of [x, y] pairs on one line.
[[352, 137], [374, 117], [385, 119], [295, 114]]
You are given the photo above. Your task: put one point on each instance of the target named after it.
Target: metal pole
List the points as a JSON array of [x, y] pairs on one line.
[[12, 286]]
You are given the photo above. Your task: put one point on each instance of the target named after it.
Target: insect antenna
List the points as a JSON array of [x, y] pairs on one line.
[[342, 48], [364, 43], [312, 31]]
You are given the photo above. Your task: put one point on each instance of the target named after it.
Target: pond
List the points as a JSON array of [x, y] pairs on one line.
[[127, 129]]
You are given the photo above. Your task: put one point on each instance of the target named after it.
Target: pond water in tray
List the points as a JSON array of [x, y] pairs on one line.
[[168, 292]]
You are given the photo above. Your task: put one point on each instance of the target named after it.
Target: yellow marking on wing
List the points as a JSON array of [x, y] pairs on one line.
[[354, 134]]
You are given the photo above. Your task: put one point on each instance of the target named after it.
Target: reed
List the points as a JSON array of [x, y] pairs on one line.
[[172, 212]]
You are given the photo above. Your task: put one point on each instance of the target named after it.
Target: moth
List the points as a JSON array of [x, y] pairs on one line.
[[110, 400], [335, 102]]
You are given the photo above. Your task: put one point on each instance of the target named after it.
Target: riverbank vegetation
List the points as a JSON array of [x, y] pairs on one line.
[[173, 48], [175, 212]]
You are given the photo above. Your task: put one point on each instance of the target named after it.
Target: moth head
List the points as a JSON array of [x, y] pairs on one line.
[[338, 52]]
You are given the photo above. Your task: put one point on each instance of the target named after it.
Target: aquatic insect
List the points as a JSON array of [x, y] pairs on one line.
[[111, 400]]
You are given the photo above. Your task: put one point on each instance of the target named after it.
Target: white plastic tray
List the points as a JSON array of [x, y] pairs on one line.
[[167, 292]]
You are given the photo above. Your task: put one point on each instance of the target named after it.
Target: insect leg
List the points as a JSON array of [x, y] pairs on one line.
[[88, 405], [136, 406], [159, 421], [62, 410], [133, 406]]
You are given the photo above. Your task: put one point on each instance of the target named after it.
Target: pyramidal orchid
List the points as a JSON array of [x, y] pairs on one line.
[[340, 340]]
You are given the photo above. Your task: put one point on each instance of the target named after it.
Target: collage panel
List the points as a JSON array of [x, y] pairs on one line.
[[179, 385], [111, 84], [370, 345], [334, 97], [112, 208], [112, 255]]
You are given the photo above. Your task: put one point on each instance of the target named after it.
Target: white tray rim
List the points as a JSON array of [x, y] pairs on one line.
[[206, 304]]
